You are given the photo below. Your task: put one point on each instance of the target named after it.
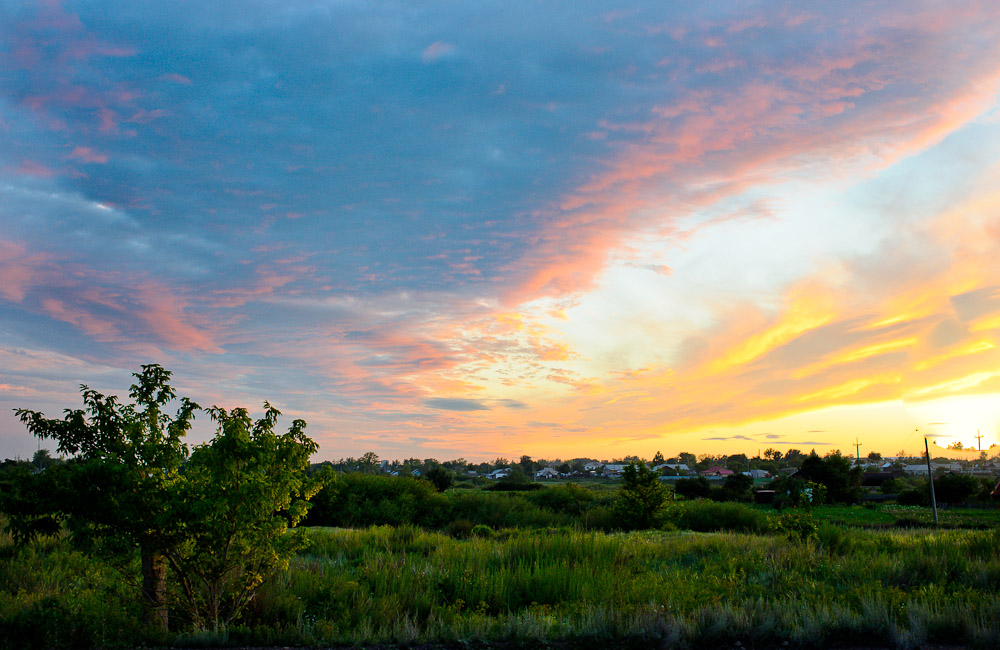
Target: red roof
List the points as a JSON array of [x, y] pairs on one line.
[[716, 470]]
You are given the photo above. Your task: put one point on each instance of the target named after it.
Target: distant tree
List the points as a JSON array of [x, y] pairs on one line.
[[565, 468], [842, 481], [43, 460], [772, 454], [737, 487], [368, 463], [956, 446], [955, 488], [874, 456], [687, 458], [794, 457], [737, 462], [693, 488], [640, 498], [527, 465], [657, 459], [440, 477]]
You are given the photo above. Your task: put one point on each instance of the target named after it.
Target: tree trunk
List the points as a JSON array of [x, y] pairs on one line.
[[154, 589]]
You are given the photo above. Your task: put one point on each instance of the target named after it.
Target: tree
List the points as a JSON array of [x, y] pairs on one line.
[[241, 495], [368, 463], [441, 478], [220, 519], [772, 454], [126, 458], [657, 459], [955, 488], [42, 460], [874, 456], [693, 488], [640, 498], [688, 459], [843, 482]]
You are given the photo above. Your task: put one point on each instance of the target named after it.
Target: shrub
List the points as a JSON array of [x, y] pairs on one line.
[[360, 500], [504, 510], [955, 488], [706, 516], [480, 530], [796, 526], [460, 529], [640, 498], [693, 488], [570, 498]]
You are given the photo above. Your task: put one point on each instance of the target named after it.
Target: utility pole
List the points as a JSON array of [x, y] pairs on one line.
[[930, 480], [857, 450], [979, 441]]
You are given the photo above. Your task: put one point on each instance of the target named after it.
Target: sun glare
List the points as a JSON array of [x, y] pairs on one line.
[[959, 419]]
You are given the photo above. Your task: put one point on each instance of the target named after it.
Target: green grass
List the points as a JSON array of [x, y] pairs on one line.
[[894, 588], [886, 515]]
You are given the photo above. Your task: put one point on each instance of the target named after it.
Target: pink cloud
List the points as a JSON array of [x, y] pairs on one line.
[[868, 97], [437, 50], [88, 155], [108, 120], [175, 78], [101, 329], [32, 168], [19, 270], [166, 315]]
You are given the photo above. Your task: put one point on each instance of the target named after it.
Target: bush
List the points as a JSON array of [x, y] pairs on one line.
[[955, 488], [361, 500], [570, 498], [797, 526], [693, 488], [640, 498], [505, 510], [482, 531], [706, 516], [460, 528]]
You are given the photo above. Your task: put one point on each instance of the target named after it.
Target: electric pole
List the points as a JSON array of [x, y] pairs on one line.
[[979, 441], [857, 450]]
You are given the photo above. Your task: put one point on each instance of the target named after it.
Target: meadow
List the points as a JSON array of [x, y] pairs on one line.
[[763, 579]]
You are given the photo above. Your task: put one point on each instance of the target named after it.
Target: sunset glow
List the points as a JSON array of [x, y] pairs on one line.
[[496, 229]]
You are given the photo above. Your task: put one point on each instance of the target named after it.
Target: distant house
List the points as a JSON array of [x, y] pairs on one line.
[[593, 467], [546, 472], [503, 472], [758, 473], [922, 468], [415, 473], [677, 467], [613, 470], [716, 470]]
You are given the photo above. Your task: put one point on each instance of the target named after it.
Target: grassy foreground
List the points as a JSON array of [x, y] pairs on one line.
[[836, 587]]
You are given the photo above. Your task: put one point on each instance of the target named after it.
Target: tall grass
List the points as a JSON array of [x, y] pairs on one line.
[[402, 585]]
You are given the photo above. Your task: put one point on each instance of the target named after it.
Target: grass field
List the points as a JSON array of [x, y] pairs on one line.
[[807, 583]]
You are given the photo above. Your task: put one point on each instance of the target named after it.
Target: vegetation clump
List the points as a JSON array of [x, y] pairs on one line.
[[213, 523]]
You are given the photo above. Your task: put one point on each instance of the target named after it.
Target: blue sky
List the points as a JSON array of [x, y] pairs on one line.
[[488, 229]]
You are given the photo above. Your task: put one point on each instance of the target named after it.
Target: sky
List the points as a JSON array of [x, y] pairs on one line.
[[487, 229]]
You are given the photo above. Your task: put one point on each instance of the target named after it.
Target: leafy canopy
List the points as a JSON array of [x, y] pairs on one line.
[[219, 517]]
